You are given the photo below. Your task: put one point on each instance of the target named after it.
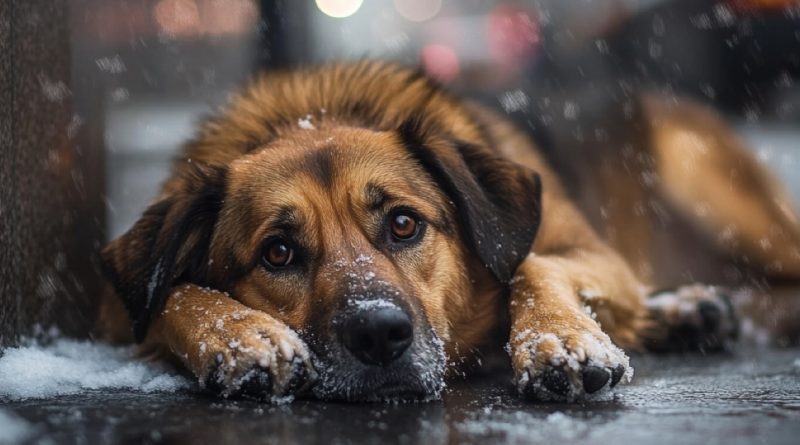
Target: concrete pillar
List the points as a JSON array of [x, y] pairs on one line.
[[51, 214]]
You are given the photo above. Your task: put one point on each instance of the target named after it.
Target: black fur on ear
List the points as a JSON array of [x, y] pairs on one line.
[[167, 245], [498, 201]]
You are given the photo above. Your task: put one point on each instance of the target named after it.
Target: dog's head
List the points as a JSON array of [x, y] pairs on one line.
[[365, 237]]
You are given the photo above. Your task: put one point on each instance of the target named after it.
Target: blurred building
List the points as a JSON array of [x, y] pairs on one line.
[[154, 67]]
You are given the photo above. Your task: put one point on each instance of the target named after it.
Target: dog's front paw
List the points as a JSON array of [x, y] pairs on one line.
[[249, 354], [567, 367], [694, 317]]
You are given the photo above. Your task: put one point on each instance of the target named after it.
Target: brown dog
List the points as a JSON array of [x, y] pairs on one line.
[[355, 230]]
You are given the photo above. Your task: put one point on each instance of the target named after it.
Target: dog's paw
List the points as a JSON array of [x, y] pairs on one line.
[[571, 367], [249, 354], [690, 318]]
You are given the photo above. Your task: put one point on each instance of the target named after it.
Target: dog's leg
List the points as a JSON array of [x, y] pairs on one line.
[[560, 298], [558, 348], [232, 349], [707, 173]]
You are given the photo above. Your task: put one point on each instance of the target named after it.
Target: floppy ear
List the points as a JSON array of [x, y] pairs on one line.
[[167, 245], [498, 201]]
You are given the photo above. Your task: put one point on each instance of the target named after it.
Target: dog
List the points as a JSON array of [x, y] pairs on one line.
[[354, 232]]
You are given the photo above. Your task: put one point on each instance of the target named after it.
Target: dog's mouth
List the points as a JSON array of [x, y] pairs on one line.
[[399, 392], [378, 386], [418, 377]]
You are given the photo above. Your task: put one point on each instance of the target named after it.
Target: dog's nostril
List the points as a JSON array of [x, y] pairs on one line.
[[399, 333], [377, 337]]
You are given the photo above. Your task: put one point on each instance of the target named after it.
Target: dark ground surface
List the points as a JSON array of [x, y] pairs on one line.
[[748, 397]]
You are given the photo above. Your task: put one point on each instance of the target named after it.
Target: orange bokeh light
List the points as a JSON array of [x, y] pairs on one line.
[[177, 18]]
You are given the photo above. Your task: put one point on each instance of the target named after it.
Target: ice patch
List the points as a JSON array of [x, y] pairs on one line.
[[13, 429], [522, 427], [67, 366]]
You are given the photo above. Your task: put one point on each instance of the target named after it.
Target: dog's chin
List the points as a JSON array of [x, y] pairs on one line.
[[418, 377], [393, 384], [399, 392]]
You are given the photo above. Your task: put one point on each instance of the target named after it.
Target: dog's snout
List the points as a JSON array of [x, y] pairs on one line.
[[377, 337]]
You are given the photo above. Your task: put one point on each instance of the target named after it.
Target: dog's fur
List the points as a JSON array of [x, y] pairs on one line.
[[322, 156]]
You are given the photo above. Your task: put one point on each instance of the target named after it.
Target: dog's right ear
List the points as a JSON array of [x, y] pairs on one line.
[[498, 201], [167, 245]]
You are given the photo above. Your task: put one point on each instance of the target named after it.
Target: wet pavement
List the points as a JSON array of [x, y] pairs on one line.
[[749, 397]]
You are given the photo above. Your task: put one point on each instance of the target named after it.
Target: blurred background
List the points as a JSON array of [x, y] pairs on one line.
[[117, 85]]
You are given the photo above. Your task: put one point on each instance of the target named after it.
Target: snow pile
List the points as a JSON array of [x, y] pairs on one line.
[[13, 429], [67, 366]]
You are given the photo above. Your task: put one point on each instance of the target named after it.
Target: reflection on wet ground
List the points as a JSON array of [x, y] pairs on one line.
[[743, 398]]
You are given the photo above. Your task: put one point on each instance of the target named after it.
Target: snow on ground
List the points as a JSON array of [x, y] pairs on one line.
[[521, 427], [65, 366], [13, 429]]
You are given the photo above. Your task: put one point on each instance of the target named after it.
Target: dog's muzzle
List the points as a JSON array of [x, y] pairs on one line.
[[380, 350]]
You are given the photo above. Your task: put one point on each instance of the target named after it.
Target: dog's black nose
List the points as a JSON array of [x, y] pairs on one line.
[[377, 337]]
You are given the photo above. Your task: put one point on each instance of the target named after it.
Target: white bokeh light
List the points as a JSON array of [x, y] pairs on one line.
[[339, 8], [418, 10]]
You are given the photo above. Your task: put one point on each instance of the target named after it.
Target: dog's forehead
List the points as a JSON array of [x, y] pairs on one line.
[[317, 175], [335, 159]]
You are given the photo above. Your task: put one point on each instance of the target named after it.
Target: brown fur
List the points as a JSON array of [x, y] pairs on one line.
[[384, 136]]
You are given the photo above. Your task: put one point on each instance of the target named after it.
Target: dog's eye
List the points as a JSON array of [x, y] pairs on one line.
[[277, 253], [404, 225]]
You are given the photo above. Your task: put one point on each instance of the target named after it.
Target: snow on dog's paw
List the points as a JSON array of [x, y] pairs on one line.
[[569, 367], [250, 355], [694, 317]]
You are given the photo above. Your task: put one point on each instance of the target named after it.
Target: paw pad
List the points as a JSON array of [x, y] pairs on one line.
[[570, 368]]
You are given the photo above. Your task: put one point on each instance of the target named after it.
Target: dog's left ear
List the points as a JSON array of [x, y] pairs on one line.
[[167, 246], [498, 201]]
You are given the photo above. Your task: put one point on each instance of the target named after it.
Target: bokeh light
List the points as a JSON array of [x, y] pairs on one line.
[[228, 16], [513, 36], [339, 8], [440, 61], [177, 18], [418, 10]]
